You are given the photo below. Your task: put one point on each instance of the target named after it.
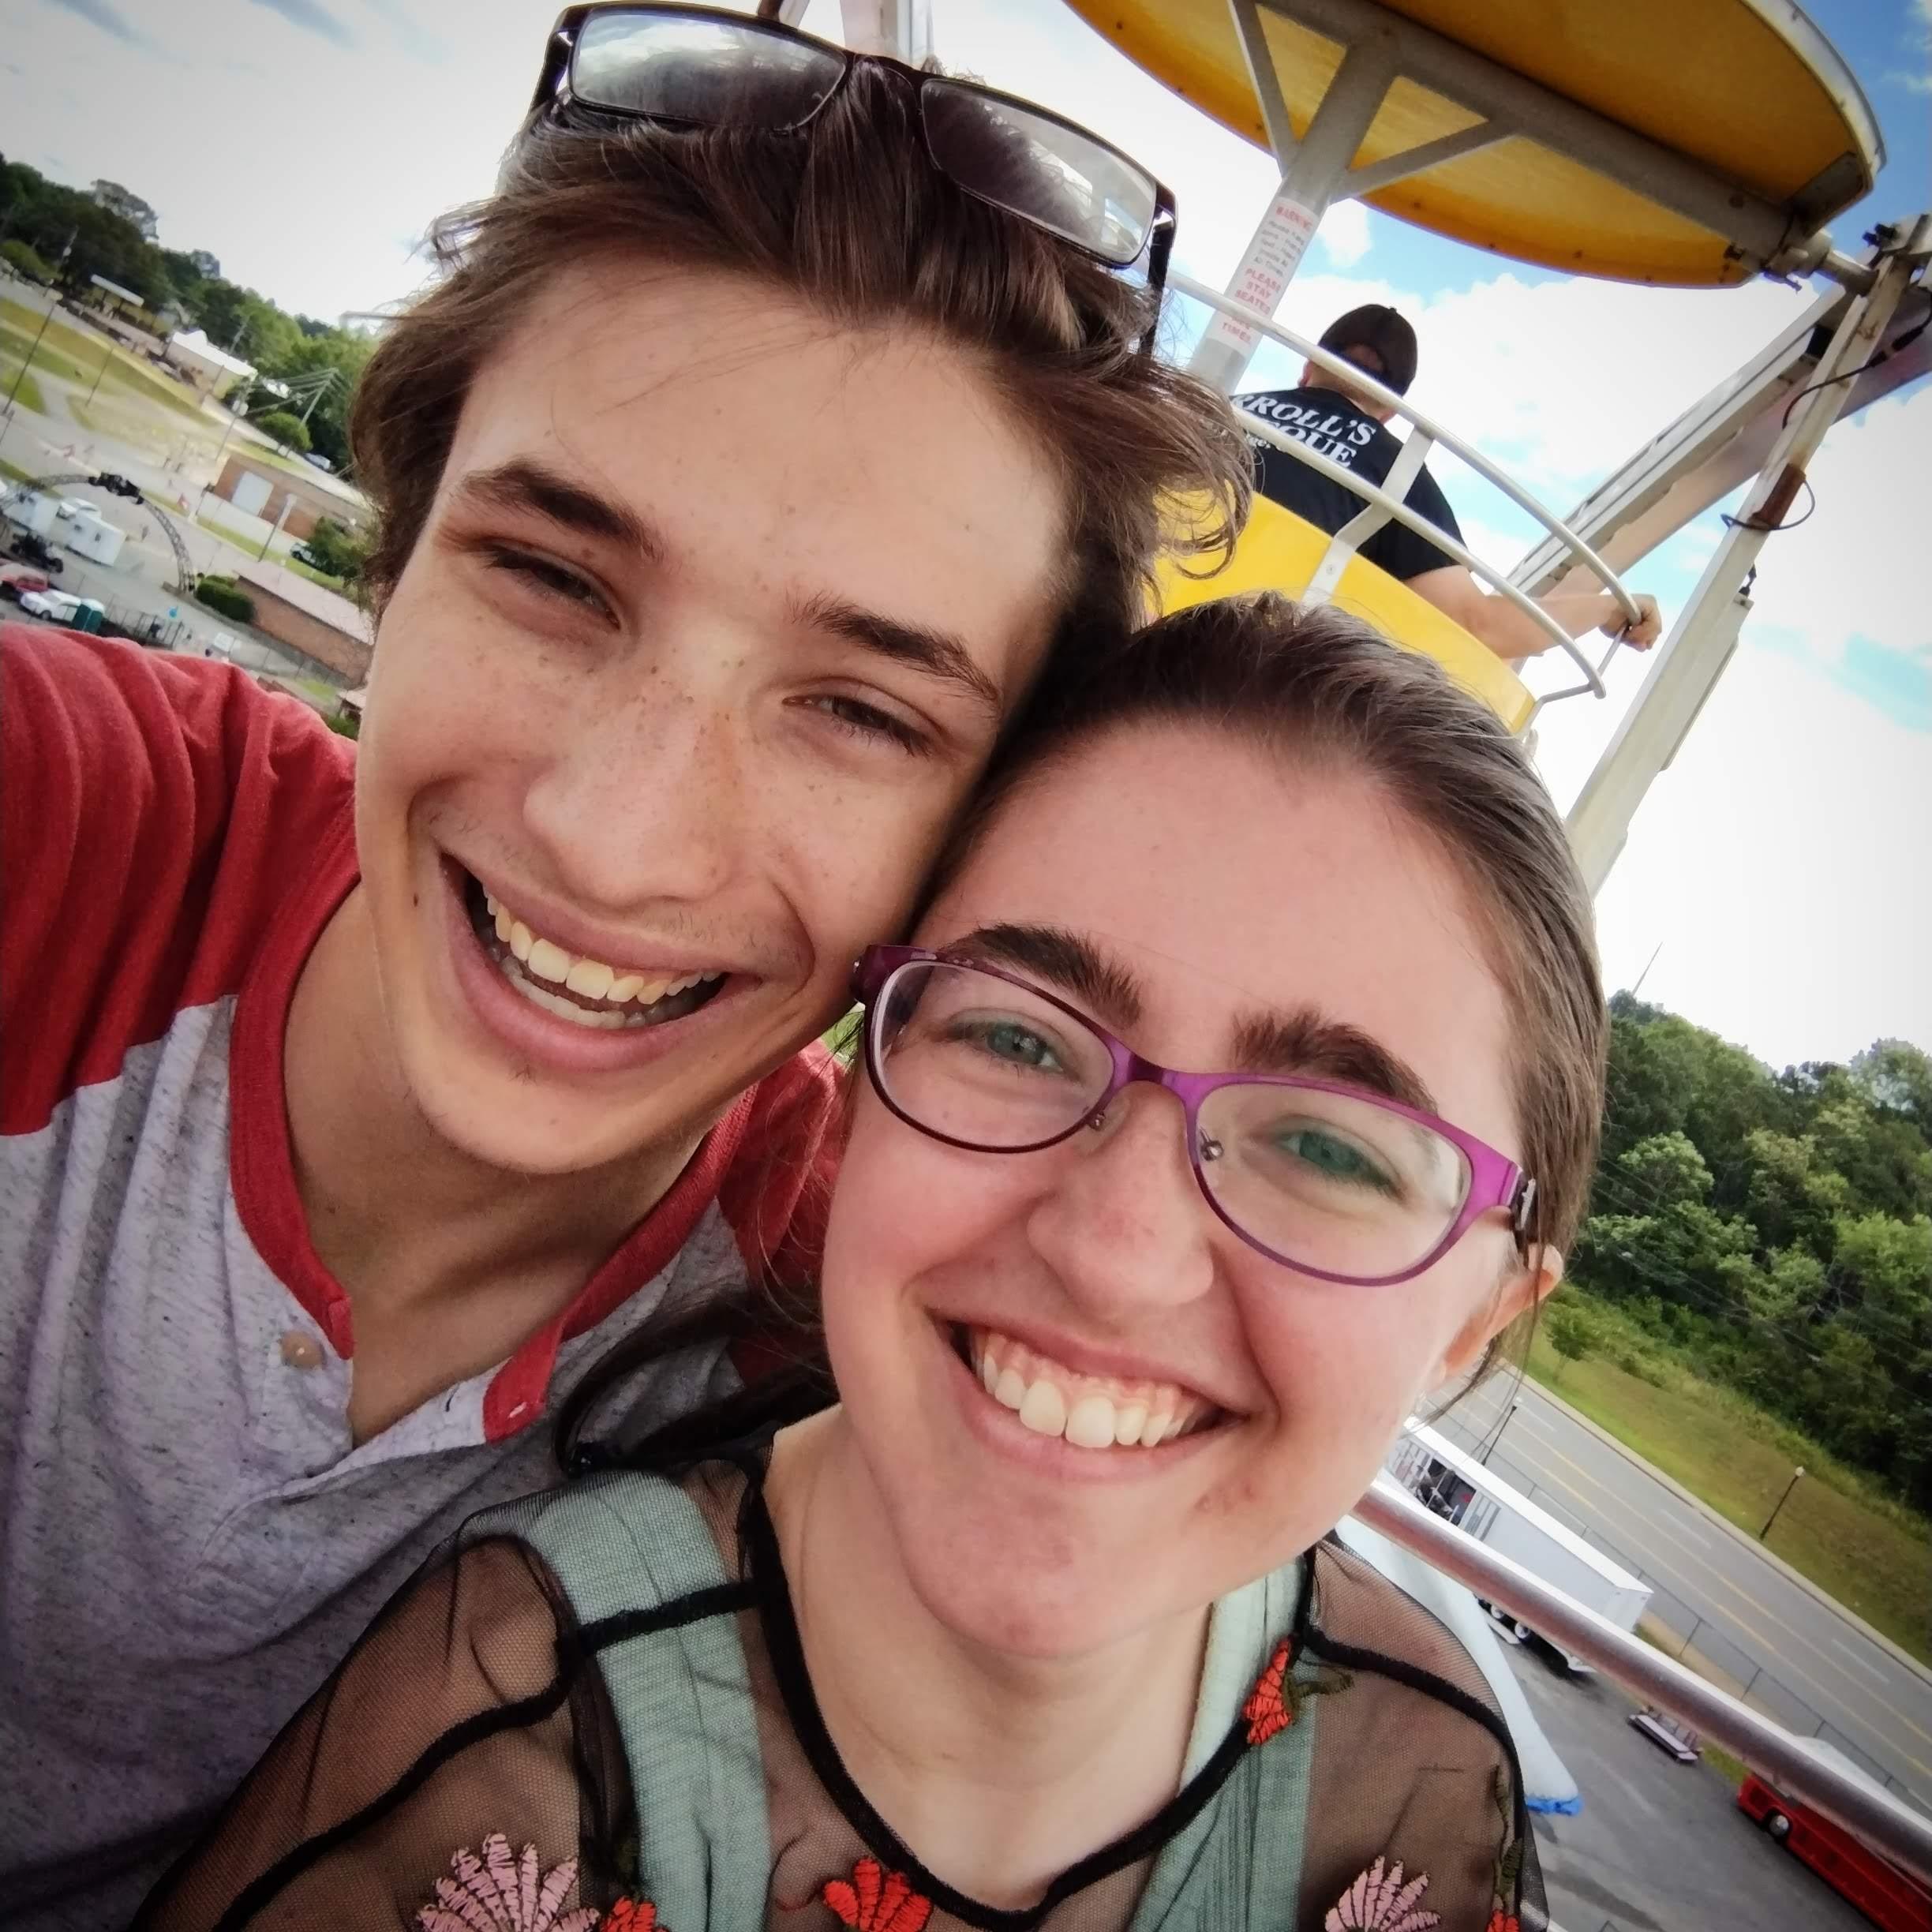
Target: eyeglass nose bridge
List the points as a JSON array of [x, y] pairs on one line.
[[1133, 1069]]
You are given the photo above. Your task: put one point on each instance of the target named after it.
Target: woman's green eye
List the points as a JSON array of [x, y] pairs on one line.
[[1016, 1045], [1330, 1156]]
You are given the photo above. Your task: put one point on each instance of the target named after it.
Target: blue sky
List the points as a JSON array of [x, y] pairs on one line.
[[309, 143]]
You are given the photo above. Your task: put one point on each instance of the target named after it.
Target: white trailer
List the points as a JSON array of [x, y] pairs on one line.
[[1464, 1492], [93, 537], [31, 510]]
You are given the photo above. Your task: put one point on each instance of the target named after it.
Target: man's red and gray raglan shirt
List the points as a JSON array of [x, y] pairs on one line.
[[189, 1539]]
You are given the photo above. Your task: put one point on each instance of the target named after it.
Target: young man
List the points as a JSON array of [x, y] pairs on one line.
[[1344, 424], [354, 1104]]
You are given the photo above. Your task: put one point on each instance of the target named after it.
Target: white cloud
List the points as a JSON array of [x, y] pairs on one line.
[[1344, 236]]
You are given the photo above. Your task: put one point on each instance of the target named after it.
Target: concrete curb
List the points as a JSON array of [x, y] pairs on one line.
[[1823, 1596]]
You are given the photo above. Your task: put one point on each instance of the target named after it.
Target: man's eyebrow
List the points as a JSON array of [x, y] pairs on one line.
[[1067, 962], [938, 653], [1303, 1041], [530, 487]]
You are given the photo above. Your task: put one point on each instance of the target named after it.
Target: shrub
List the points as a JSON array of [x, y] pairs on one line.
[[344, 724], [224, 597], [26, 261], [290, 431]]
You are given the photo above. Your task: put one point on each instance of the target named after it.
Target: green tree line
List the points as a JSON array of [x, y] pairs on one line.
[[1776, 1230], [109, 231]]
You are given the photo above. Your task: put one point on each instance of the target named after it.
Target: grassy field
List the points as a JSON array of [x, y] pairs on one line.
[[1870, 1552], [29, 395], [74, 356]]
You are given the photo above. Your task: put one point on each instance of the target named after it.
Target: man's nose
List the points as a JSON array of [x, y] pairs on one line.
[[646, 800], [1124, 1227]]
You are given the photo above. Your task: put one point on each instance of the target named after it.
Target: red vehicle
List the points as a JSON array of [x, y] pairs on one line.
[[1879, 1889], [14, 581]]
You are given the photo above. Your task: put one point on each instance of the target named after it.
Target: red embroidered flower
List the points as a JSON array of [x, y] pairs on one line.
[[1268, 1710], [1500, 1921], [640, 1915], [877, 1900]]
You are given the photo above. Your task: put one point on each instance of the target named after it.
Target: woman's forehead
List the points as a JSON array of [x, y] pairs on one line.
[[1230, 880]]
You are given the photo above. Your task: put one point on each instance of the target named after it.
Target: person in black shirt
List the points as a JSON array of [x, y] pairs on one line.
[[1344, 424]]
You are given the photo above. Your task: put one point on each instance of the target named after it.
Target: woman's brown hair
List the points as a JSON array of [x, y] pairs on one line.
[[848, 216]]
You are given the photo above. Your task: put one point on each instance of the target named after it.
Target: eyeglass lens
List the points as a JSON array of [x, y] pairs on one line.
[[708, 72], [1333, 1182], [1064, 181]]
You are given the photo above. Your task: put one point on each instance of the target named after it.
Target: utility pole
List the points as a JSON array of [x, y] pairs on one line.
[[1782, 1500], [1645, 974], [53, 303]]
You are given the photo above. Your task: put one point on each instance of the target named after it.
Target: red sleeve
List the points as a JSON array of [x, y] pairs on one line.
[[154, 812]]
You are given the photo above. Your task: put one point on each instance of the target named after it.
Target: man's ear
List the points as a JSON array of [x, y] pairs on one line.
[[1523, 1288]]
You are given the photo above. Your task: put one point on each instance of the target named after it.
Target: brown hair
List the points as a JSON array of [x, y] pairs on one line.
[[1315, 682], [848, 215]]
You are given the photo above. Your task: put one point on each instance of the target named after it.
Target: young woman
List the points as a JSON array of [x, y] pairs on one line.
[[1042, 1625]]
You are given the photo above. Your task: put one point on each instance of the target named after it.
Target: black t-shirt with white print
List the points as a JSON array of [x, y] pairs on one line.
[[1333, 427]]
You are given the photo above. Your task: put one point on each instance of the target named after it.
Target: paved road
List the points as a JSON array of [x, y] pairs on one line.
[[1804, 1663], [1659, 1846]]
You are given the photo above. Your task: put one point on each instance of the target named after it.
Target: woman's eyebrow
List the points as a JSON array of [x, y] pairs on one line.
[[1305, 1042], [1065, 959]]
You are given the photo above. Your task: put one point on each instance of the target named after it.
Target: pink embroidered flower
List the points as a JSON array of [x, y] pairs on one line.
[[877, 1900], [1378, 1901], [498, 1892]]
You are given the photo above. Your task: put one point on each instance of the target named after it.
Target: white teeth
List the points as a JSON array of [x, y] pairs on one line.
[[1044, 1411], [591, 978], [1090, 1424], [1052, 1400], [548, 961]]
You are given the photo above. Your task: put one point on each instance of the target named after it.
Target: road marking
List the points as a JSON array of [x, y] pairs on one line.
[[1789, 1663], [1864, 1663]]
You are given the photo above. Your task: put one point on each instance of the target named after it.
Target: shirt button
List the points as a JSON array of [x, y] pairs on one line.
[[300, 1350]]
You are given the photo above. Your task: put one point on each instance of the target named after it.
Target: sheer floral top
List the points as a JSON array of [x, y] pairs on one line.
[[593, 1715]]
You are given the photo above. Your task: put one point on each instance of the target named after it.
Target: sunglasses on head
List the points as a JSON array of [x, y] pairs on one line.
[[704, 67]]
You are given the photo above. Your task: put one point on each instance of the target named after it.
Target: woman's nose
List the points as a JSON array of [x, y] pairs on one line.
[[1124, 1227]]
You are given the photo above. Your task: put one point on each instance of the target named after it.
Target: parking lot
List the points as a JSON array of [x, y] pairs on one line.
[[1659, 1846]]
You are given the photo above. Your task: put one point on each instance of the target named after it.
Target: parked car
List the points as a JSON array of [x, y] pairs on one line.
[[62, 606], [15, 583], [29, 547], [320, 462], [1671, 1734]]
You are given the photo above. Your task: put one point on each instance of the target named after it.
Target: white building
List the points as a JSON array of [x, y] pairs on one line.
[[212, 371]]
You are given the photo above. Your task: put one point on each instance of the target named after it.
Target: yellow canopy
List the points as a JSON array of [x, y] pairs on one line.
[[1747, 90], [1278, 551]]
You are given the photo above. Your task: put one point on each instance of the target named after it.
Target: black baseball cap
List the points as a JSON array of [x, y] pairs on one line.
[[1375, 326]]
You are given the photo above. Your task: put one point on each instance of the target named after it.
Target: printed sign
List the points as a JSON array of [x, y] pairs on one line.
[[1267, 268]]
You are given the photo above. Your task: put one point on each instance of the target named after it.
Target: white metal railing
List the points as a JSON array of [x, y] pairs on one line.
[[1381, 504], [1862, 1807]]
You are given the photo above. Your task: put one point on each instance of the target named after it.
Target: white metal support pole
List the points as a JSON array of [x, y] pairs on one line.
[[1692, 658], [902, 28], [1311, 174]]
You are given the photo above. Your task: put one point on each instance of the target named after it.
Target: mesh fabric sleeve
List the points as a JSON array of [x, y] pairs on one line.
[[448, 1742]]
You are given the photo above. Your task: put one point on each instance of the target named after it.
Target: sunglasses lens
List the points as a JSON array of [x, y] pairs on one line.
[[1056, 177], [710, 73]]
